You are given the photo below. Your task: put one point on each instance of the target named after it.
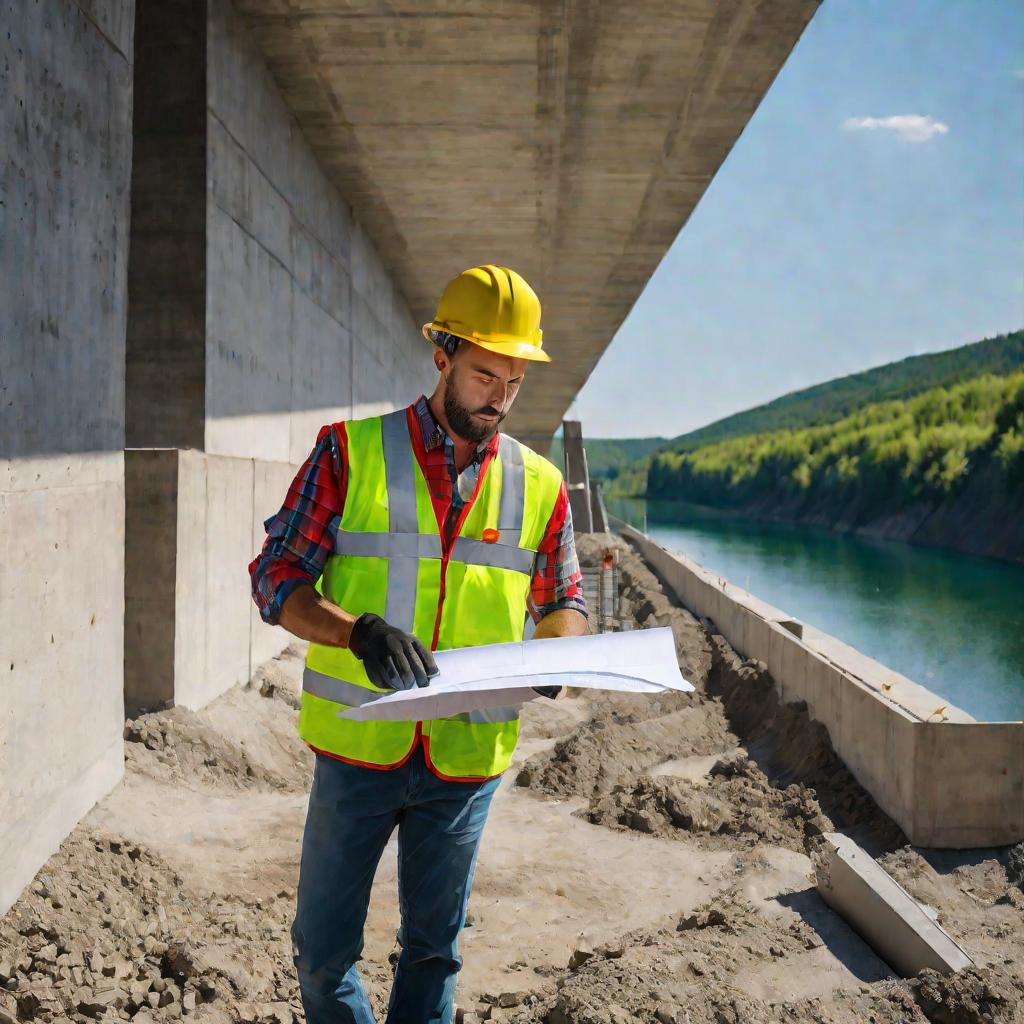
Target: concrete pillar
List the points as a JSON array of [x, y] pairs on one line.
[[598, 515], [577, 477]]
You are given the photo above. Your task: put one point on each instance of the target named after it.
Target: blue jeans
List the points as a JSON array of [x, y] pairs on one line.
[[352, 813]]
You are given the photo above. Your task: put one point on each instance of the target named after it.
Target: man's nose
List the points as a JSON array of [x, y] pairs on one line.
[[498, 396]]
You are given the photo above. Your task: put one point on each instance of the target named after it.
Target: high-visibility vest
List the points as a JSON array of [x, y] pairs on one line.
[[390, 558]]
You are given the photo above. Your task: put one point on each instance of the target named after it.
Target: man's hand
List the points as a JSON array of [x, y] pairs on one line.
[[392, 658], [565, 622]]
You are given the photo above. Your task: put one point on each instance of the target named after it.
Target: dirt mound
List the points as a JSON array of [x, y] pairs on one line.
[[789, 746], [244, 739], [109, 930], [611, 747], [687, 973], [973, 996], [737, 801], [176, 744]]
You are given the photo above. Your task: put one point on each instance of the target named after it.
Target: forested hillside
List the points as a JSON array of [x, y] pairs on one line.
[[929, 449], [835, 399], [624, 460], [890, 468]]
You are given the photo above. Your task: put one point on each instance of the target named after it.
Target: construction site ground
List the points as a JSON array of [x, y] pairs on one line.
[[646, 859]]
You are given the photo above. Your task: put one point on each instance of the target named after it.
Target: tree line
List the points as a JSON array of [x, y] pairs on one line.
[[886, 455]]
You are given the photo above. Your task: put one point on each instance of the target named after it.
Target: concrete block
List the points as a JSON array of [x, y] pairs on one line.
[[969, 785], [778, 638], [150, 575], [192, 622], [795, 662], [886, 916], [229, 515], [63, 642]]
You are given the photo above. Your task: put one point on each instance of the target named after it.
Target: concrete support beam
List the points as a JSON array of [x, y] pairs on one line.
[[607, 121], [577, 476], [598, 517], [887, 917]]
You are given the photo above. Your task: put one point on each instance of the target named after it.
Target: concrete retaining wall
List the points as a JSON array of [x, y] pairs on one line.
[[65, 118], [947, 780]]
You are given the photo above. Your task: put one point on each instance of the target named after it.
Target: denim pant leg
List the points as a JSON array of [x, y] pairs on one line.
[[352, 813], [438, 839]]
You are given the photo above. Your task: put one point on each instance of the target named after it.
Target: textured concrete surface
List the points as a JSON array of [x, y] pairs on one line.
[[946, 780], [194, 521], [65, 117], [253, 323], [568, 140], [259, 307]]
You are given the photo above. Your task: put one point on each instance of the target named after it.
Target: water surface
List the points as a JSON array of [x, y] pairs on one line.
[[952, 623]]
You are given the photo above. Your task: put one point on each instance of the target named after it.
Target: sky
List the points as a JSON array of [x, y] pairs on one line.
[[873, 208]]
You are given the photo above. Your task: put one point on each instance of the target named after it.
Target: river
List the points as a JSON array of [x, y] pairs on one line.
[[952, 623]]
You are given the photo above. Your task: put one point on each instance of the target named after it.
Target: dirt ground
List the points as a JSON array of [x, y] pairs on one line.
[[646, 859]]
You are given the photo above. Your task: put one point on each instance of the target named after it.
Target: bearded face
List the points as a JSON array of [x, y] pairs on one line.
[[479, 391]]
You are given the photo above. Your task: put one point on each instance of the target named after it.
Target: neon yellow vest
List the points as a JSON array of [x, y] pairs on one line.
[[388, 559]]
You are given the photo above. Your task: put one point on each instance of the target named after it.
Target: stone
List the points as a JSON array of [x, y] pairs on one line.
[[96, 1003]]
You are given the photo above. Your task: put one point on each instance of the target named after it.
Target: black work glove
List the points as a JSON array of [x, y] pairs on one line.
[[551, 692], [393, 659]]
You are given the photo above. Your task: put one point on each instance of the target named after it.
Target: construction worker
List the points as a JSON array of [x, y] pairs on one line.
[[416, 531]]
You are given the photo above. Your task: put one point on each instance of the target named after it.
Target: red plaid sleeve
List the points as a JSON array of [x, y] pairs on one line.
[[301, 536], [557, 580]]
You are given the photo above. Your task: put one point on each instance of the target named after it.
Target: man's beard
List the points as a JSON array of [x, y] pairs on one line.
[[460, 419]]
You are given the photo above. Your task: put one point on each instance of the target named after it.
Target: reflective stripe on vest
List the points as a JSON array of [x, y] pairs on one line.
[[398, 466], [353, 696]]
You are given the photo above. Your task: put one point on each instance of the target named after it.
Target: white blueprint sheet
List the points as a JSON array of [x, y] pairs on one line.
[[500, 675]]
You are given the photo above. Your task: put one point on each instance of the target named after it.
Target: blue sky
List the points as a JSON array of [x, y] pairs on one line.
[[827, 244]]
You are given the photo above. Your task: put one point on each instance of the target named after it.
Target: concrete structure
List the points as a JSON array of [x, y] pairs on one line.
[[890, 920], [65, 118], [569, 140], [947, 780], [259, 311], [577, 476], [298, 195]]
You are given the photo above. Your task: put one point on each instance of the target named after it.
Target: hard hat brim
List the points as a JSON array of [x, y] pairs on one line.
[[512, 349]]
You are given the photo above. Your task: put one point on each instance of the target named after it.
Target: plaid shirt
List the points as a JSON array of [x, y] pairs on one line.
[[300, 538]]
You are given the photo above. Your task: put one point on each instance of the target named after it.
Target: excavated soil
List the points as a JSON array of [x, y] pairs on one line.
[[645, 860]]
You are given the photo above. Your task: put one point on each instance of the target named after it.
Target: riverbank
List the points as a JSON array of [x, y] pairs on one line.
[[645, 859]]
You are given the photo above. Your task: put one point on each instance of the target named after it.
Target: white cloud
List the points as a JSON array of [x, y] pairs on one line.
[[909, 127]]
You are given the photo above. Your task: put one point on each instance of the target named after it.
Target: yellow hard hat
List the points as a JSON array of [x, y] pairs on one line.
[[492, 307]]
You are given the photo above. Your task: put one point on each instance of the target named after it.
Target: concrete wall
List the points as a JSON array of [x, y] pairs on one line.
[[947, 780], [301, 325], [65, 118]]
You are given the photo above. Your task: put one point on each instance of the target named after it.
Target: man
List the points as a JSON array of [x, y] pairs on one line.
[[427, 530]]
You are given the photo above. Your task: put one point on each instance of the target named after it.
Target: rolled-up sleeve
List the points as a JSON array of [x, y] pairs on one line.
[[301, 536], [557, 581]]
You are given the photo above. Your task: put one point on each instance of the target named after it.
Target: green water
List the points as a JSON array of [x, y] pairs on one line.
[[952, 623]]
